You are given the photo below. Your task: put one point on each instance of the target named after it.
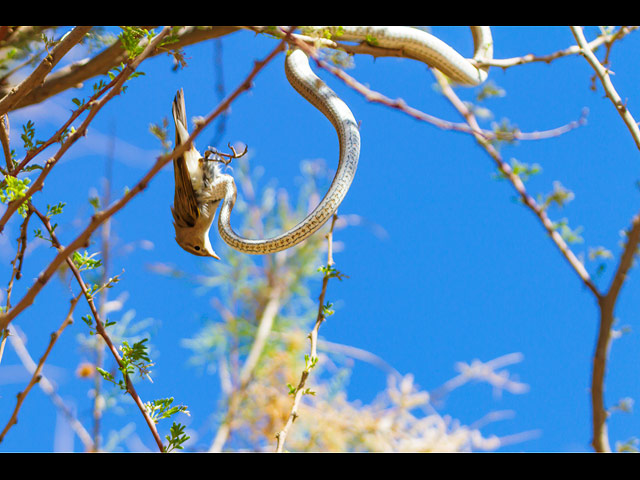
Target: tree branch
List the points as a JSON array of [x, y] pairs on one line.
[[605, 79], [312, 358], [79, 72], [605, 39], [100, 217], [15, 95], [114, 88], [600, 440], [373, 96], [517, 183], [101, 329]]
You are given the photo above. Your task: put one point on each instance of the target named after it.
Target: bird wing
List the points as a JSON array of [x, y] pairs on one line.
[[185, 205]]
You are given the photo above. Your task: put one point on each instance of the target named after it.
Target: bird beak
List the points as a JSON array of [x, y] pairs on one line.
[[209, 249]]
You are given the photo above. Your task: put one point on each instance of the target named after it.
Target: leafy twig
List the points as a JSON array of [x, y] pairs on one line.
[[311, 359], [100, 329], [605, 79]]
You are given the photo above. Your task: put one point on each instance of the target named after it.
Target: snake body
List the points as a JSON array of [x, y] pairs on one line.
[[313, 89], [414, 43]]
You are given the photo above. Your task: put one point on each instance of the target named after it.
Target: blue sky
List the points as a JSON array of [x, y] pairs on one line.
[[463, 272]]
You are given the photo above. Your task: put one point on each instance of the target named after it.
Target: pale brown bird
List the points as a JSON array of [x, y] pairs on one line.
[[193, 207]]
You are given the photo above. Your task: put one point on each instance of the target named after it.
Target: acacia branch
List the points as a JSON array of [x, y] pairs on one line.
[[100, 217], [101, 329], [401, 105], [604, 39], [312, 358], [517, 183], [37, 76], [79, 72], [600, 440], [603, 74], [94, 107]]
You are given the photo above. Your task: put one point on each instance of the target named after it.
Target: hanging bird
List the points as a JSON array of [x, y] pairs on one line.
[[194, 206]]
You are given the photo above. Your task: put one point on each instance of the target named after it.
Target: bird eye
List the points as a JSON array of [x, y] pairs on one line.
[[197, 248]]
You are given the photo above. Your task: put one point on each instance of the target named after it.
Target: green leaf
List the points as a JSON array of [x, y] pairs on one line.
[[55, 209], [569, 235], [488, 90], [176, 438], [15, 189], [599, 252], [560, 196], [106, 375], [85, 261], [331, 272], [130, 38]]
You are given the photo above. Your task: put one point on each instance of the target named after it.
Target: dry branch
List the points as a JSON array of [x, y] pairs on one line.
[[75, 74], [37, 76]]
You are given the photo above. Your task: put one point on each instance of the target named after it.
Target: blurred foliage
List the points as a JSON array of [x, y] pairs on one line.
[[400, 419]]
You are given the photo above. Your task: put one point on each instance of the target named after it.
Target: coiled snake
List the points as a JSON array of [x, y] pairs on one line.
[[413, 43]]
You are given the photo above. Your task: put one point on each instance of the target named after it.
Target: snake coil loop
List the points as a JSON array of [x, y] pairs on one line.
[[414, 43]]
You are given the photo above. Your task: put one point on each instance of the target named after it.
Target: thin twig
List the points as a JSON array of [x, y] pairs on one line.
[[37, 377], [312, 358], [504, 63], [105, 248], [605, 79], [517, 183], [101, 329], [16, 271], [16, 274], [401, 105], [95, 107]]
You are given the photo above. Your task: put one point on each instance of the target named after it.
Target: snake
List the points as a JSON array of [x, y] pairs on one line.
[[414, 43]]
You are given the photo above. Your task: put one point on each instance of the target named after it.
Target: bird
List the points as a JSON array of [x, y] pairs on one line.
[[194, 203]]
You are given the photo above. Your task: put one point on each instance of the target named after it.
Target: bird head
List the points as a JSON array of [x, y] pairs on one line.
[[195, 240]]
